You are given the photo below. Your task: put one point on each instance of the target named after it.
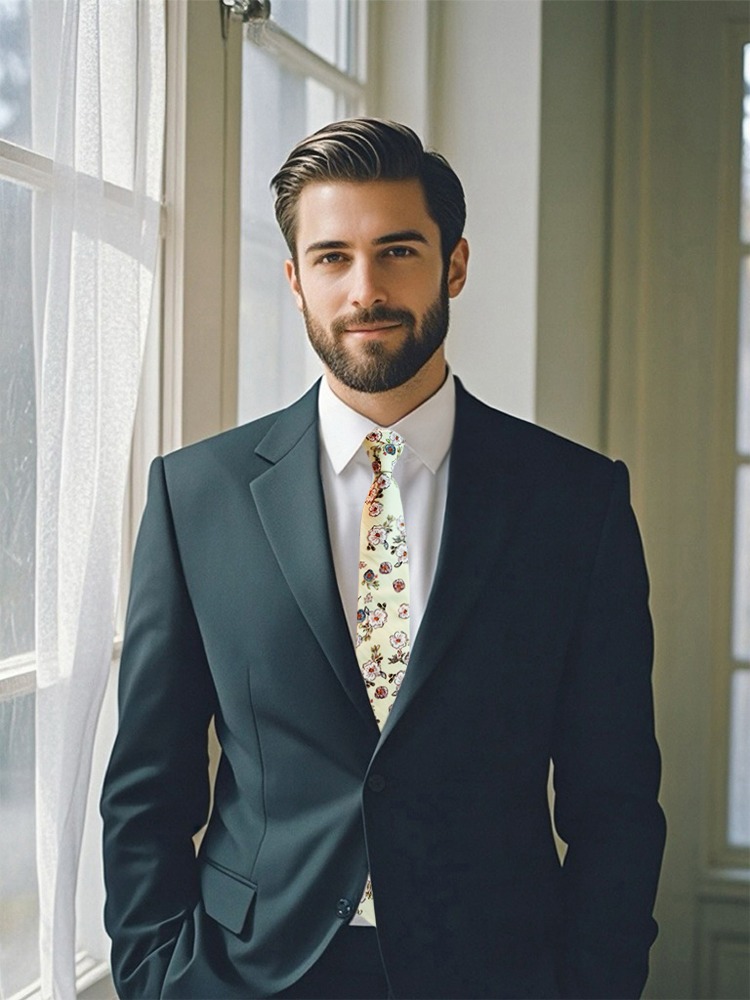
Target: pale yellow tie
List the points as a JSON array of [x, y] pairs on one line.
[[382, 640]]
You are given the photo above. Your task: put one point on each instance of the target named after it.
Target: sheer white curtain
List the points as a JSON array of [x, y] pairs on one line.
[[98, 76]]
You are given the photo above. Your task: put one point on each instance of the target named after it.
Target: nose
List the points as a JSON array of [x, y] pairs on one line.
[[367, 288]]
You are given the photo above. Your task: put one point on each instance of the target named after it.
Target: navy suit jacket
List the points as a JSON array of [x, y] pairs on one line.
[[536, 644]]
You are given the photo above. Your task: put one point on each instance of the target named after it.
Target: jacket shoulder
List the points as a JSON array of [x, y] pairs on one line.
[[245, 450], [516, 440]]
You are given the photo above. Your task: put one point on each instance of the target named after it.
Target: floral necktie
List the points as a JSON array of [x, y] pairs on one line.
[[382, 640]]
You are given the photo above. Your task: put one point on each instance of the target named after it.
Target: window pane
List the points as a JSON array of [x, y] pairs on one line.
[[15, 72], [327, 27], [739, 761], [741, 611], [275, 362], [18, 423], [743, 361], [19, 913], [118, 39]]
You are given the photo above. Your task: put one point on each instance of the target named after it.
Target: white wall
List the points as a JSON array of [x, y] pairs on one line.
[[486, 121], [475, 97]]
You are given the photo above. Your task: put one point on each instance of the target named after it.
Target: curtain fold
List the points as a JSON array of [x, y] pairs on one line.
[[95, 254]]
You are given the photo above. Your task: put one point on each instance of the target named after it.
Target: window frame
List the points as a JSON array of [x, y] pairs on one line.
[[26, 168], [721, 854]]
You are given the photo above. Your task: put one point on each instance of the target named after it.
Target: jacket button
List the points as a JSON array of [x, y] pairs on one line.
[[344, 908], [376, 782]]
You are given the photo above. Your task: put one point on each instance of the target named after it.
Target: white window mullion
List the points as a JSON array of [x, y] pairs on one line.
[[294, 56], [24, 166]]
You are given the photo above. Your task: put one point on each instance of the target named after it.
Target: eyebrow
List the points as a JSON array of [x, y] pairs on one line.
[[402, 236]]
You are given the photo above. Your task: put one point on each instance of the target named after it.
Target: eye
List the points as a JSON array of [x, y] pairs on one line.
[[400, 252], [332, 257]]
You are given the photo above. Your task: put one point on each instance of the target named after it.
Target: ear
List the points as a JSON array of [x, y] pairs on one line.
[[291, 276], [457, 267]]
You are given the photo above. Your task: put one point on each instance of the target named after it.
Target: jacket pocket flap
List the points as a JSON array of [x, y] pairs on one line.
[[226, 896]]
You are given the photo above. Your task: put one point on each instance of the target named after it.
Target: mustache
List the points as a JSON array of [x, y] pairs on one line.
[[378, 314]]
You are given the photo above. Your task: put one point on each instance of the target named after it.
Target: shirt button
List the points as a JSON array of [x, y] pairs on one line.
[[376, 782], [344, 908]]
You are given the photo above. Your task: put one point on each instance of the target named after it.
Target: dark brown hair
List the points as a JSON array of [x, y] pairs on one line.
[[368, 149]]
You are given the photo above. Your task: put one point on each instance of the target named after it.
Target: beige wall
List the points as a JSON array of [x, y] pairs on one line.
[[637, 353]]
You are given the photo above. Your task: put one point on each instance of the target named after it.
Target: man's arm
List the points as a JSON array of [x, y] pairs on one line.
[[607, 770], [156, 789]]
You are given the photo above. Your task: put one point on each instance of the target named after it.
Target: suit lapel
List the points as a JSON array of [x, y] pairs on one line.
[[291, 506], [484, 504], [485, 500]]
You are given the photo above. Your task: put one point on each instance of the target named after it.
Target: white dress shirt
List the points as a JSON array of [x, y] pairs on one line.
[[422, 476]]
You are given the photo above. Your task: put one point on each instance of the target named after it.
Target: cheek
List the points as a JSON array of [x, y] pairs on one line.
[[325, 298]]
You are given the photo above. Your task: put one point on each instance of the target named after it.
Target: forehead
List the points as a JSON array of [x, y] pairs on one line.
[[352, 211]]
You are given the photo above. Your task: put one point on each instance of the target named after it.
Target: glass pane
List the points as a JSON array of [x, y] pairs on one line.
[[743, 361], [745, 209], [327, 27], [19, 913], [119, 53], [741, 611], [739, 761], [15, 72], [18, 423], [275, 362]]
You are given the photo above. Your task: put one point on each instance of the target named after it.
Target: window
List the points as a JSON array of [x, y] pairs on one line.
[[18, 188], [308, 64], [80, 185]]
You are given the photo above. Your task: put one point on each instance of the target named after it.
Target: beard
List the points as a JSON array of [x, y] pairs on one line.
[[377, 367]]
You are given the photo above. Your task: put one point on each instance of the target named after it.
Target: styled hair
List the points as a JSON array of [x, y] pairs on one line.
[[368, 149]]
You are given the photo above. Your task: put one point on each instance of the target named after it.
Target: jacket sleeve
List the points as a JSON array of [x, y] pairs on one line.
[[156, 792], [607, 771]]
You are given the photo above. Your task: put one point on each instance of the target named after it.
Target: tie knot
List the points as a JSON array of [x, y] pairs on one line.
[[383, 449]]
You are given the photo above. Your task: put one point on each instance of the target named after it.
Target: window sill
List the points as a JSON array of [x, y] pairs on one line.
[[90, 972]]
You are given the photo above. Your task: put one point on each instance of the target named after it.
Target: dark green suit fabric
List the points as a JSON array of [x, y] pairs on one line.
[[536, 644]]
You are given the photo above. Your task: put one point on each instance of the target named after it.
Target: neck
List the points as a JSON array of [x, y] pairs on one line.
[[386, 408]]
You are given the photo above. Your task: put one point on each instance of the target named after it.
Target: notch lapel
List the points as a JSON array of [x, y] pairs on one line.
[[290, 502]]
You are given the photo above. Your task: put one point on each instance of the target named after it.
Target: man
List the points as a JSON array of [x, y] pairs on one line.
[[387, 711]]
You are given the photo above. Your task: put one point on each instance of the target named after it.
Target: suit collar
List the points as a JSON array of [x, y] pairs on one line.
[[289, 426], [427, 430]]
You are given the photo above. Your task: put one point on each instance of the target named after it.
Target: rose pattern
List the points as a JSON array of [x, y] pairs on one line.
[[377, 536], [370, 671], [401, 553], [383, 549], [378, 618], [382, 611]]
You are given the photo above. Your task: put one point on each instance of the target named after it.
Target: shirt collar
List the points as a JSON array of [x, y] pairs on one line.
[[428, 430]]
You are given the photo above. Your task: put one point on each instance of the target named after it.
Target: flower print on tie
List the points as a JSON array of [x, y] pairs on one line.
[[382, 605], [382, 637]]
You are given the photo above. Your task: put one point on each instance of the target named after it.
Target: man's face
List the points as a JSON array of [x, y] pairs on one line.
[[370, 280]]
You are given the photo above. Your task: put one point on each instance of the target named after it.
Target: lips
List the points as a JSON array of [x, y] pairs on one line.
[[374, 328], [371, 322]]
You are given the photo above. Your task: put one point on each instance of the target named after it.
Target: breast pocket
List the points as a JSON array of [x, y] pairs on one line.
[[227, 896]]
